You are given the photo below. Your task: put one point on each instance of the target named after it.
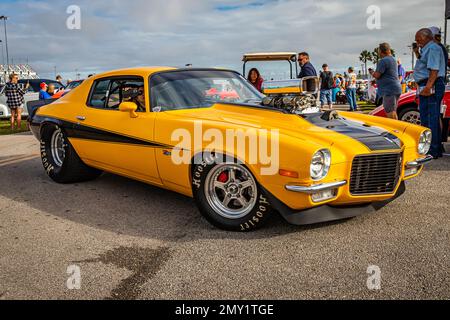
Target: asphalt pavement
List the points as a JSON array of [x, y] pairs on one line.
[[115, 238]]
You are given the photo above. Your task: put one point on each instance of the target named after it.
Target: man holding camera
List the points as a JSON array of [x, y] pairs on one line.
[[429, 74], [388, 80]]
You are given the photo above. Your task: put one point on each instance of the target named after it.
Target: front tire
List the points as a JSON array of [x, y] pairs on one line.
[[229, 197], [60, 160]]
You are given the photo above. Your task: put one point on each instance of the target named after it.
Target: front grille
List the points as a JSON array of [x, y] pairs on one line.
[[375, 174]]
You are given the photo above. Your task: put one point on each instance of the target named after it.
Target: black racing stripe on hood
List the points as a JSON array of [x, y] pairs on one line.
[[374, 138], [79, 131]]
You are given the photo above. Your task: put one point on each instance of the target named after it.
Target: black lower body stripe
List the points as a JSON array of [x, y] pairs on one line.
[[79, 131]]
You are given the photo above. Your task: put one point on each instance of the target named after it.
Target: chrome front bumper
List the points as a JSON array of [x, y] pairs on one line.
[[419, 162], [316, 187]]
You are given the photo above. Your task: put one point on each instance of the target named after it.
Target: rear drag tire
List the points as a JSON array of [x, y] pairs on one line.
[[60, 161]]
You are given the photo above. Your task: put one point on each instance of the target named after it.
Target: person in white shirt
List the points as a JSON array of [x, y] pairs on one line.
[[350, 85]]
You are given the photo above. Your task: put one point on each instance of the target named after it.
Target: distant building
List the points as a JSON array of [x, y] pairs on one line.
[[24, 71]]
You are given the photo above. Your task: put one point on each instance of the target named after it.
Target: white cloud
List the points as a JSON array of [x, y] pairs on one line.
[[119, 34]]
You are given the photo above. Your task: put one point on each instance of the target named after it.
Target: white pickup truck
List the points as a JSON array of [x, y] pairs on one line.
[[31, 95]]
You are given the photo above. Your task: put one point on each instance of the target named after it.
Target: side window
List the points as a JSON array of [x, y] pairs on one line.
[[57, 85], [34, 87], [99, 94], [123, 90], [110, 93]]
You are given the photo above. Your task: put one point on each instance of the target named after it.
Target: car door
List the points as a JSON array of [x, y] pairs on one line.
[[113, 140], [446, 102]]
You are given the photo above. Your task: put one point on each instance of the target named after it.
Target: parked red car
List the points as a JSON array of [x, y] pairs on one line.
[[408, 108]]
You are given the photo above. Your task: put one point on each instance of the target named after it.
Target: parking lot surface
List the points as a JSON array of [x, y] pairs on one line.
[[134, 241]]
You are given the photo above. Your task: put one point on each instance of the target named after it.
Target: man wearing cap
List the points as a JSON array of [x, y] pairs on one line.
[[438, 39], [429, 74], [43, 94], [326, 85]]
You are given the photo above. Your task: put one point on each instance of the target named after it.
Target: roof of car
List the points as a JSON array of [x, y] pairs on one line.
[[266, 56], [132, 71], [37, 80], [145, 71]]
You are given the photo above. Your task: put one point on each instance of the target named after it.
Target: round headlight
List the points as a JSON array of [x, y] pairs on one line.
[[320, 164], [425, 142]]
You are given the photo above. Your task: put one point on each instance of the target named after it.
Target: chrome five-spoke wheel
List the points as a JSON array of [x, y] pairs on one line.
[[231, 190]]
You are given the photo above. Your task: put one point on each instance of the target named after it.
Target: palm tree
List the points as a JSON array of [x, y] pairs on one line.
[[365, 57], [375, 56]]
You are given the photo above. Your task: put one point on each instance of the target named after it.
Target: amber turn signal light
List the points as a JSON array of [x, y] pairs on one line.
[[287, 173]]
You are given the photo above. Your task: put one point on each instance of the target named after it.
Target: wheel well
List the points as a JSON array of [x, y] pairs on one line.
[[47, 123], [408, 105], [224, 156], [5, 110]]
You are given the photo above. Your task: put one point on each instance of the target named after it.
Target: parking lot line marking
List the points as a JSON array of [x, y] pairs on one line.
[[18, 159]]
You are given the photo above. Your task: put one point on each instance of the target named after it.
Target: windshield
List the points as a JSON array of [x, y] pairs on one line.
[[199, 89], [73, 84]]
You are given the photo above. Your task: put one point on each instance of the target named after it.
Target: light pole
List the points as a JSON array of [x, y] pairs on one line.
[[3, 55], [4, 18], [412, 57], [3, 60]]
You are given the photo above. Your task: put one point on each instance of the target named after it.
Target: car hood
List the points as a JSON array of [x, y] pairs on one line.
[[411, 95], [306, 127]]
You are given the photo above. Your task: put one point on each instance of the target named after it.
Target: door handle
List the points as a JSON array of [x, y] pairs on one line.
[[81, 118]]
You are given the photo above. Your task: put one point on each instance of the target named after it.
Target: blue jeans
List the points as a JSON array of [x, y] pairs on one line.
[[430, 108], [351, 98], [334, 92], [325, 97]]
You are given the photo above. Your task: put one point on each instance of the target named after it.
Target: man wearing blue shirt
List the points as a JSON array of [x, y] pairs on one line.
[[43, 94], [307, 70], [388, 80], [429, 74], [438, 39]]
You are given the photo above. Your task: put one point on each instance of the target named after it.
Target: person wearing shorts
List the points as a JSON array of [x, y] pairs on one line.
[[388, 81], [390, 104], [15, 100]]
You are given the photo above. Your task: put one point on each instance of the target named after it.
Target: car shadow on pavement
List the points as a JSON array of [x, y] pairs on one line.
[[441, 164], [122, 206]]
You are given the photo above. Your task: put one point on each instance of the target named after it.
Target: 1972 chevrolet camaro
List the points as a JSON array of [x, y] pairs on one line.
[[159, 125]]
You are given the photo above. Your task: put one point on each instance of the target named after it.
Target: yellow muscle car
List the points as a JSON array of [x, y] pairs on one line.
[[208, 134]]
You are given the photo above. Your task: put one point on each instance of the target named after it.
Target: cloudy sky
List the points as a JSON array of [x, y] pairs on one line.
[[116, 33]]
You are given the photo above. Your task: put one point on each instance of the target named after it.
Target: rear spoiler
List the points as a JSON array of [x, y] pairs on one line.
[[33, 106]]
